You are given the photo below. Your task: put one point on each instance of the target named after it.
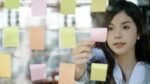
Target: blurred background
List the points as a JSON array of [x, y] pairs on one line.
[[52, 55]]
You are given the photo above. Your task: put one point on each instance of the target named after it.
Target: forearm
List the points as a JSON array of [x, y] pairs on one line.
[[83, 79], [79, 73]]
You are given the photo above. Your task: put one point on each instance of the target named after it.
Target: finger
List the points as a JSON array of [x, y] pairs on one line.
[[81, 61], [86, 43], [84, 49], [82, 56]]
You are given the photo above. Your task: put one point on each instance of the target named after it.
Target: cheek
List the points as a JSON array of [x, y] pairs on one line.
[[131, 37], [132, 40], [109, 40]]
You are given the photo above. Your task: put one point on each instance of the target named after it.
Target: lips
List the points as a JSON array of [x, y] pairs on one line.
[[119, 44]]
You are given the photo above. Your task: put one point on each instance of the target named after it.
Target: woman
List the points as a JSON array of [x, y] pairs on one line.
[[126, 49]]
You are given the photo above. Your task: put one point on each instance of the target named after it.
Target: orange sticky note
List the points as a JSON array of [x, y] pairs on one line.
[[67, 37], [67, 6], [98, 5], [99, 34], [98, 72], [66, 73], [5, 65], [36, 36], [11, 37]]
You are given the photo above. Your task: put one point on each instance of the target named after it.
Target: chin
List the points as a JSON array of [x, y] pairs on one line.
[[119, 52]]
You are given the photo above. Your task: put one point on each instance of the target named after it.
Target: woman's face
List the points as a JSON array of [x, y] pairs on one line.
[[122, 34]]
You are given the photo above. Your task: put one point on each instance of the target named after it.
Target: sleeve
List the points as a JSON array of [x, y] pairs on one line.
[[83, 80]]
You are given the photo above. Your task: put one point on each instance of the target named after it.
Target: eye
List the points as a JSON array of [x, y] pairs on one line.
[[126, 27], [110, 28]]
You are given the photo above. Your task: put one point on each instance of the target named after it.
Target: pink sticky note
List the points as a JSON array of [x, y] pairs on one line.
[[38, 7], [99, 34], [38, 71]]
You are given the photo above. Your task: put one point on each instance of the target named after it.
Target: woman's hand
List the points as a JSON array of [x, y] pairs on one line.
[[81, 54]]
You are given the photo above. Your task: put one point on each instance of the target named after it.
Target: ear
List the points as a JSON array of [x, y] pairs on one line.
[[138, 36]]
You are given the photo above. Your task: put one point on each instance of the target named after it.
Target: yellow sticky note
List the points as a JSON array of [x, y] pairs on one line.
[[11, 4], [5, 65], [66, 73], [67, 6], [11, 37], [98, 5], [36, 35], [67, 37], [98, 72]]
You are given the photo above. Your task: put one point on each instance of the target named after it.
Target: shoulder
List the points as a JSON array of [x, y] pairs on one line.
[[147, 73], [147, 66]]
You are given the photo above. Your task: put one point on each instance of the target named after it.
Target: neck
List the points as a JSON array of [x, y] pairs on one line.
[[127, 62]]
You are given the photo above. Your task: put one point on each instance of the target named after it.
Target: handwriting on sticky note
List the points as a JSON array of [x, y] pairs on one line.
[[36, 36], [98, 5], [5, 65], [38, 7], [99, 34], [67, 37], [67, 6], [11, 4], [11, 37], [98, 72], [38, 71], [66, 73]]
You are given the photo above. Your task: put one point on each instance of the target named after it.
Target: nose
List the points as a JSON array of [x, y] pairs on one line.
[[118, 34]]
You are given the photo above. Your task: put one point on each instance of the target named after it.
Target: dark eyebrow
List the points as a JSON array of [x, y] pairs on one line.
[[121, 23], [125, 22], [111, 23]]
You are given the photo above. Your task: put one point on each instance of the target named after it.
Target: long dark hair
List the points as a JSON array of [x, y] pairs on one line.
[[142, 45]]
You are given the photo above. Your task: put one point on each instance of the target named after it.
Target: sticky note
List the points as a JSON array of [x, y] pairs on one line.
[[10, 37], [67, 6], [38, 7], [98, 5], [67, 37], [5, 65], [38, 71], [11, 4], [36, 38], [99, 34], [66, 73], [98, 72]]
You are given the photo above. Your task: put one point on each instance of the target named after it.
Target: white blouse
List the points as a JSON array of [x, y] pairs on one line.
[[137, 76]]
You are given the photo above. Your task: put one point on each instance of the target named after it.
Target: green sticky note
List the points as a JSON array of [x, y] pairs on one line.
[[98, 72], [11, 37], [11, 4], [5, 65], [67, 37], [67, 6], [98, 5]]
